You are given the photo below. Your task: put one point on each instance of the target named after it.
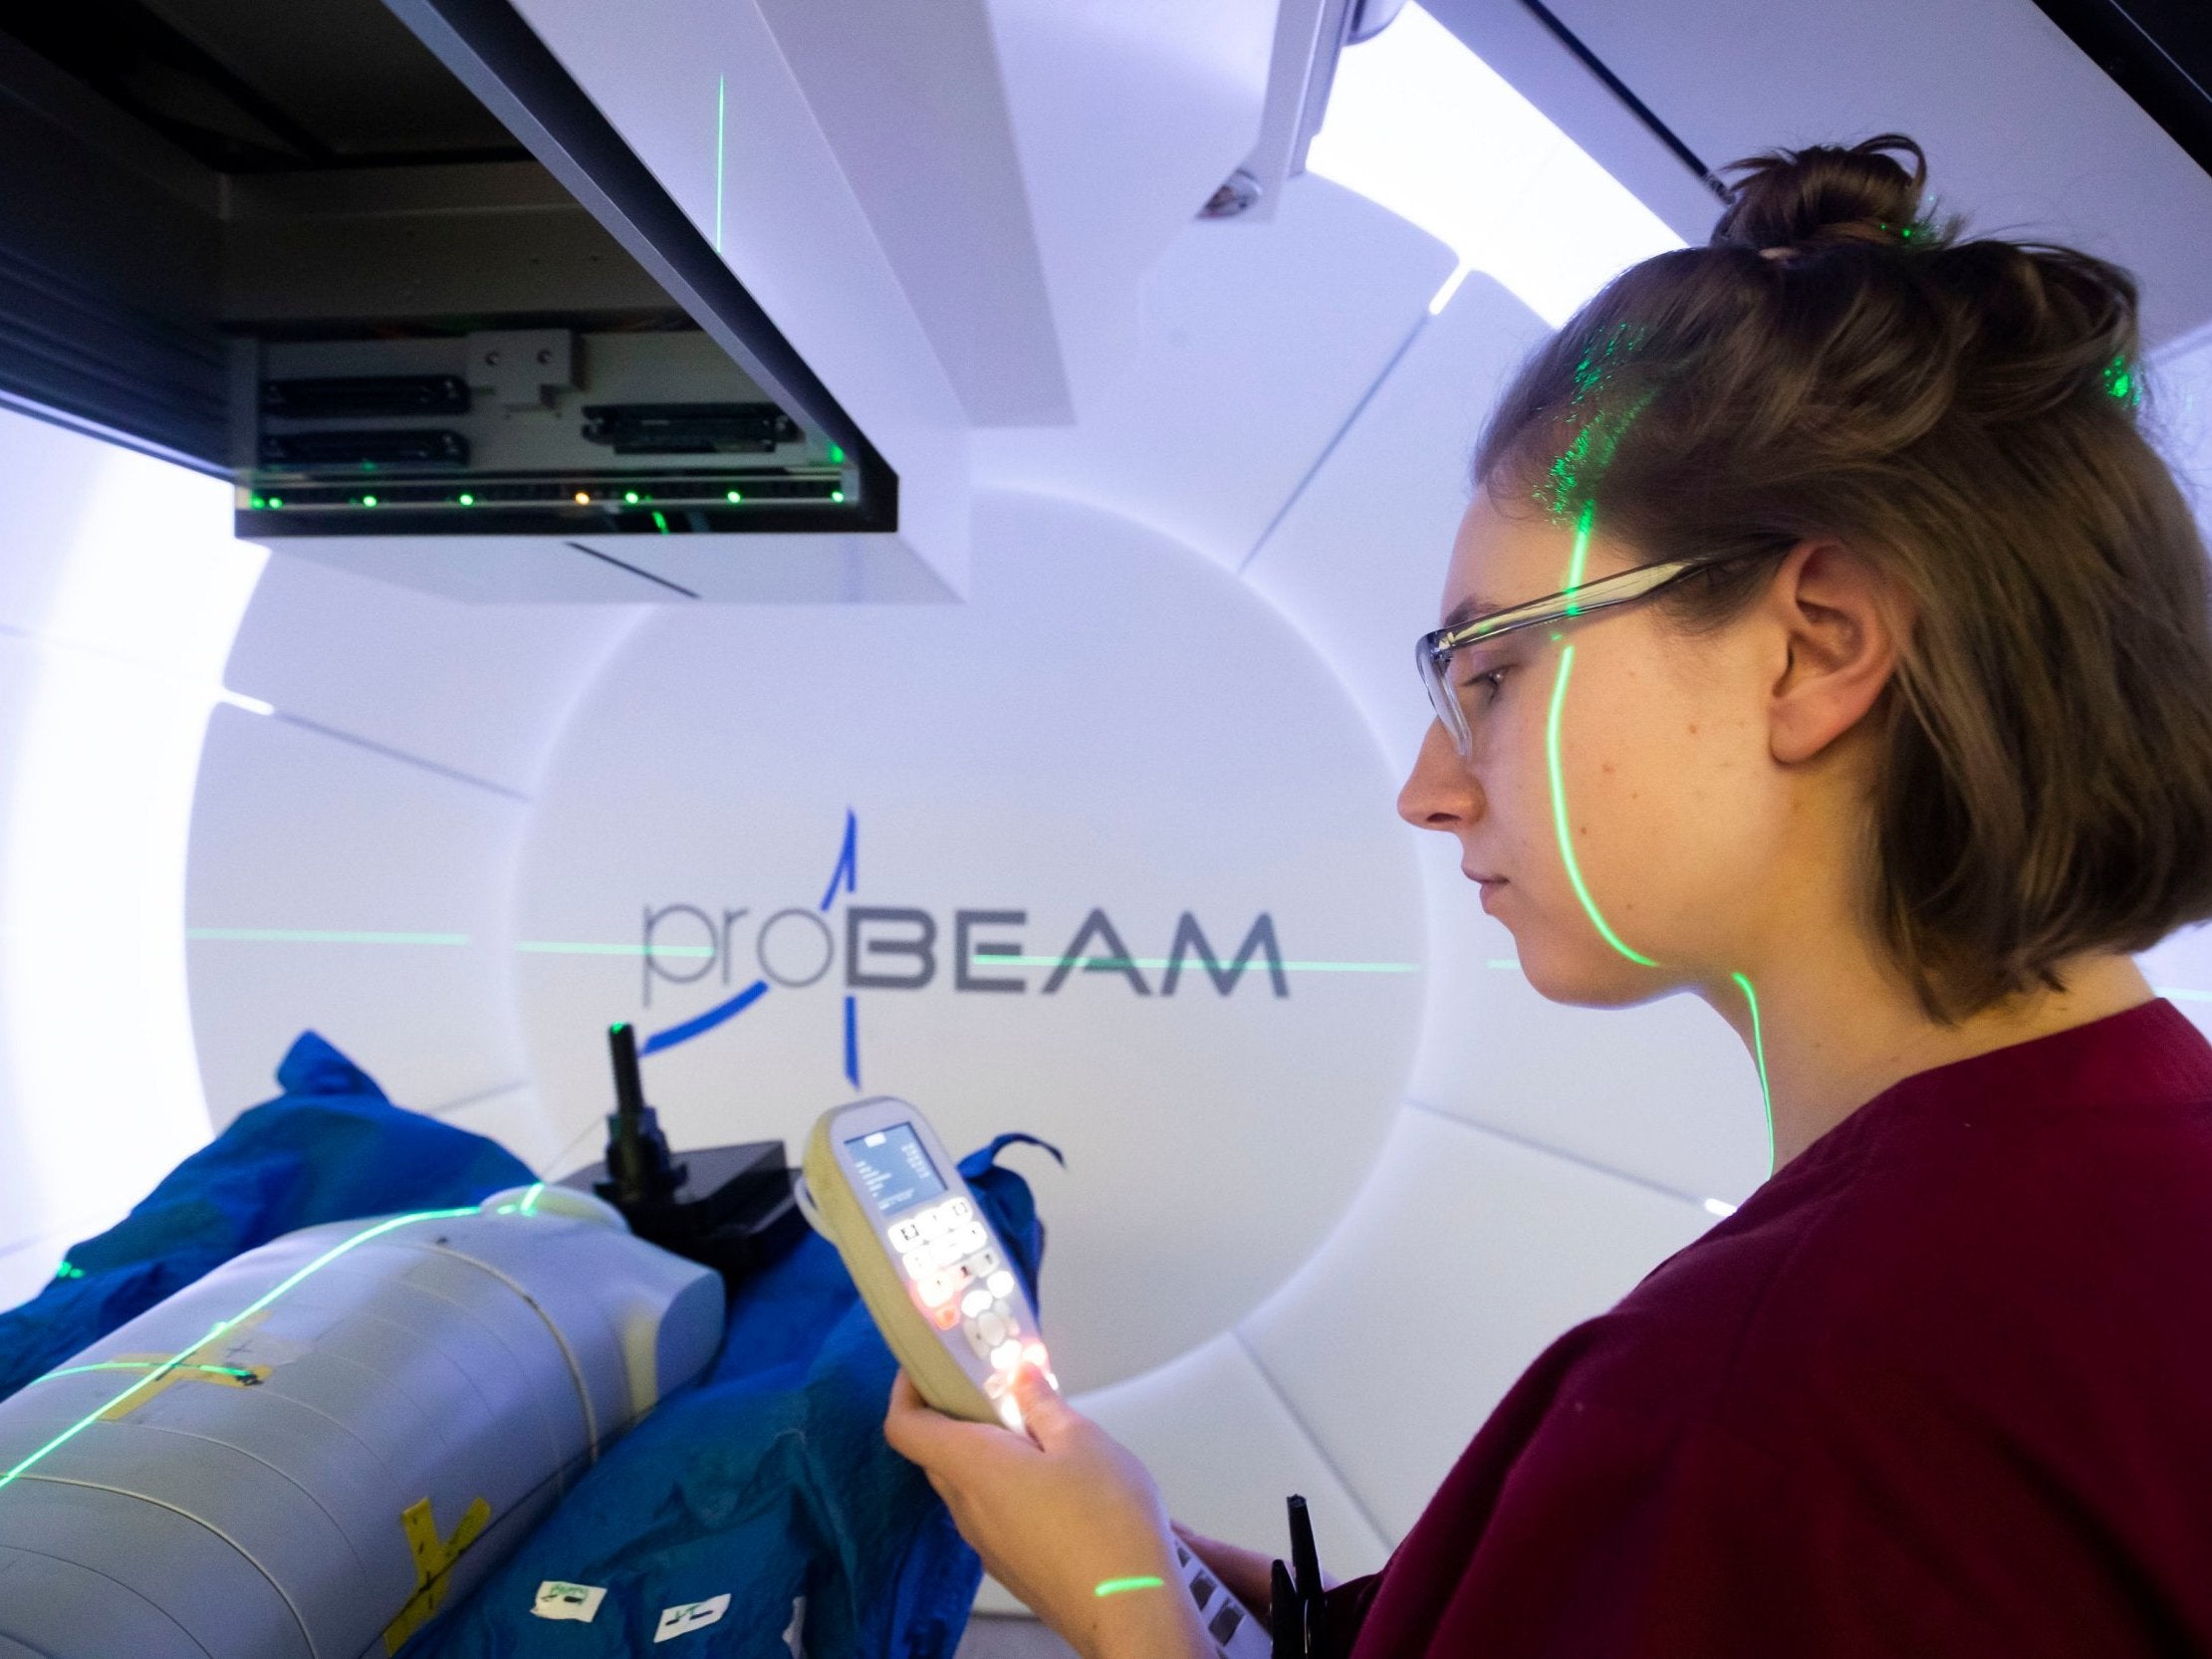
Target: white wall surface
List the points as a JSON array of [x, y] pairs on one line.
[[120, 589]]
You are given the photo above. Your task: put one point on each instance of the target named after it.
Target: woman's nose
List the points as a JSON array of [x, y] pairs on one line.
[[1440, 792]]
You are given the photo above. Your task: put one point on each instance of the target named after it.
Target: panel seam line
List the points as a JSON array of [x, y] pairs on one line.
[[1532, 1145]]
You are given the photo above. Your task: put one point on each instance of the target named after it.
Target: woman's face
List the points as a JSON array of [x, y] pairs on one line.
[[1658, 777]]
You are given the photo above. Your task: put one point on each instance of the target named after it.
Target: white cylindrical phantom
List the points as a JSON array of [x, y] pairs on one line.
[[307, 1453]]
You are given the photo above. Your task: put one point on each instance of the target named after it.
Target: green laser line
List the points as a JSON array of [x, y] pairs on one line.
[[320, 936], [178, 1358], [1758, 1053], [985, 959], [144, 1365], [1580, 555], [1559, 813], [1114, 1586], [565, 947]]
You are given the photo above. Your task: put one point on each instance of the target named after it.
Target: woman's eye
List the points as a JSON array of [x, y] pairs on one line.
[[1488, 679]]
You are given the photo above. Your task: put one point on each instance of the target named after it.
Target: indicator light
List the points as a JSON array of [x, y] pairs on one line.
[[630, 496], [275, 501], [734, 496], [467, 500], [582, 498], [836, 455], [837, 494], [368, 501], [253, 500]]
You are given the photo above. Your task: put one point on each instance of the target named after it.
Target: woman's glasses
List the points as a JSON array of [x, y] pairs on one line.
[[1458, 693]]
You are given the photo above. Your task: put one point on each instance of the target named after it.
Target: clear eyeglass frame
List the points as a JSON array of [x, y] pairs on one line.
[[1433, 652]]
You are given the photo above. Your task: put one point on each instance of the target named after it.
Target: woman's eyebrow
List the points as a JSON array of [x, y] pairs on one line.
[[1467, 610]]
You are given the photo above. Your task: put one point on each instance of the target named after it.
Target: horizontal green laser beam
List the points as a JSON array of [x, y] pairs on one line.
[[343, 936], [145, 1366], [565, 947], [320, 936], [581, 947], [1115, 964]]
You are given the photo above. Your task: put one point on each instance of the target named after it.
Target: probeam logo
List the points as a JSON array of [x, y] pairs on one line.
[[889, 947]]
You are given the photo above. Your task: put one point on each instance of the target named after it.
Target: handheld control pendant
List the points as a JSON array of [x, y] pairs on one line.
[[877, 1183]]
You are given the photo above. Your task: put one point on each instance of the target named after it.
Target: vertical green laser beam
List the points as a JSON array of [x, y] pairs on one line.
[[1758, 1053], [1580, 555], [1558, 815], [175, 1361]]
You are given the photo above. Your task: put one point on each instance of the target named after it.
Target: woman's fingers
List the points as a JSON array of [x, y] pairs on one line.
[[1245, 1573]]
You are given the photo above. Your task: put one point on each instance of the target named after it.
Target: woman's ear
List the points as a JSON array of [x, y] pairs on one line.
[[1840, 623]]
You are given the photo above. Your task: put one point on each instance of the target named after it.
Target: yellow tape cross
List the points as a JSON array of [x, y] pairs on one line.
[[433, 1560]]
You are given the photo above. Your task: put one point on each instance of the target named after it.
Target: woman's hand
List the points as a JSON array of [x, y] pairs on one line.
[[1244, 1573], [1055, 1514]]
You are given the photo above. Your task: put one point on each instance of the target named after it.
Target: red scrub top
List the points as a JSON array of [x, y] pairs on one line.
[[1942, 1386]]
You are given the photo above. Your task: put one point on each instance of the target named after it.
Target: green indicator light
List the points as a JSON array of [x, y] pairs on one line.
[[734, 496], [630, 496], [465, 499], [275, 501], [253, 500], [659, 522], [836, 455], [69, 1270], [837, 494], [1114, 1586], [368, 501]]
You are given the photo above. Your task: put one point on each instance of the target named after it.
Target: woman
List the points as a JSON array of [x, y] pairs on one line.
[[1880, 718]]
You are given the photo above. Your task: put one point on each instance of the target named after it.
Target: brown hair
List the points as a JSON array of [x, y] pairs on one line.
[[1968, 415]]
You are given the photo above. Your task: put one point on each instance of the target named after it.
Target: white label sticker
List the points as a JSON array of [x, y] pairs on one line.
[[557, 1600], [691, 1615]]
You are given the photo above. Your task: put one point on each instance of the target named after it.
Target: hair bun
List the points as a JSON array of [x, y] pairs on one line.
[[1815, 197]]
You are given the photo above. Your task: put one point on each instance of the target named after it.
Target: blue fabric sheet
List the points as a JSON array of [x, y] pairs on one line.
[[767, 1482], [330, 1148]]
